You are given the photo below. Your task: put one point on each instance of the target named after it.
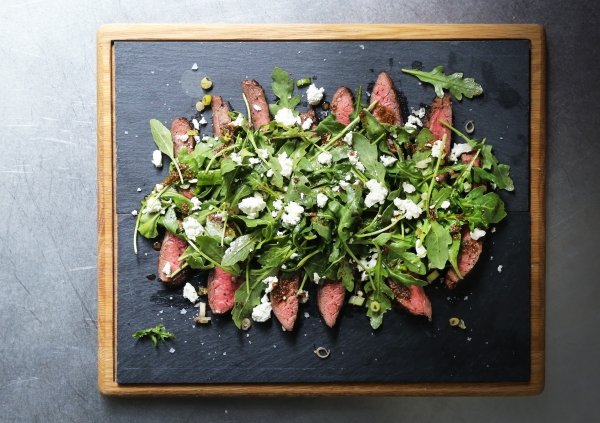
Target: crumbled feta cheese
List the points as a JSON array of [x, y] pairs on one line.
[[377, 193], [307, 124], [202, 120], [408, 208], [324, 158], [316, 278], [167, 269], [314, 95], [157, 158], [183, 137], [277, 204], [321, 200], [420, 249], [344, 184], [362, 46], [420, 113], [263, 153], [195, 124], [293, 213], [269, 173], [303, 298], [196, 203], [236, 158], [270, 281], [254, 160], [183, 311], [139, 189], [153, 205], [387, 160], [500, 268], [280, 233], [262, 312], [134, 212], [195, 67], [458, 150], [252, 206], [477, 233], [192, 228], [437, 150], [414, 121], [336, 189], [172, 350], [286, 117], [189, 292], [286, 164], [256, 107], [239, 120], [408, 188], [348, 138], [353, 157], [445, 204]]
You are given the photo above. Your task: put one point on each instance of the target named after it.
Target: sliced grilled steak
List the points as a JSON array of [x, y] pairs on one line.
[[412, 298], [259, 109], [221, 290], [342, 105], [330, 299], [387, 109], [469, 253], [285, 301], [179, 128], [466, 158], [309, 114], [171, 249], [441, 109], [220, 115]]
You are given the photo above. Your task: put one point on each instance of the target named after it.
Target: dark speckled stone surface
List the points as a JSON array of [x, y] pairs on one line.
[[155, 80]]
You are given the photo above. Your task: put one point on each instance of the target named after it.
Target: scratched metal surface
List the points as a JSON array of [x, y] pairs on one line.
[[48, 201]]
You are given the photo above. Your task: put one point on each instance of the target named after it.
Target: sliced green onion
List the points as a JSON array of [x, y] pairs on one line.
[[302, 82]]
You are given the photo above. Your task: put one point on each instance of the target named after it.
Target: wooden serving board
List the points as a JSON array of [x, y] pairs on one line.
[[501, 353]]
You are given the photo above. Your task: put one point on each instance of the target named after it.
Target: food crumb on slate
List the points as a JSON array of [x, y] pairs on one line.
[[172, 350], [500, 268]]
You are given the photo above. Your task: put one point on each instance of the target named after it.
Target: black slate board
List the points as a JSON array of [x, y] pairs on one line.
[[154, 79]]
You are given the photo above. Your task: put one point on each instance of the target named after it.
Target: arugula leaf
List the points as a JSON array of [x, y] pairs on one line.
[[162, 138], [483, 209], [367, 154], [238, 250], [436, 241], [148, 226], [405, 278], [455, 83], [453, 255], [283, 88], [413, 263], [330, 126], [246, 297], [169, 220], [156, 334], [346, 275], [372, 126]]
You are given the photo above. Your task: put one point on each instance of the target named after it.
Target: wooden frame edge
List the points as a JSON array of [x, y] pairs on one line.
[[108, 34]]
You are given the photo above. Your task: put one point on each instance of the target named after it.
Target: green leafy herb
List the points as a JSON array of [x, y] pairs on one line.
[[156, 334], [164, 142], [437, 241], [455, 83]]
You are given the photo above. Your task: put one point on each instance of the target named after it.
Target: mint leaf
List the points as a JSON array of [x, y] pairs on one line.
[[455, 83]]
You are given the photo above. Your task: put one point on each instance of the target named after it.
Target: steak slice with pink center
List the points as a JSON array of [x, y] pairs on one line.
[[387, 109], [412, 298], [330, 299], [284, 301], [221, 290]]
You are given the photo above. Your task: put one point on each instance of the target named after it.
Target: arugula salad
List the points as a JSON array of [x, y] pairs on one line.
[[365, 203]]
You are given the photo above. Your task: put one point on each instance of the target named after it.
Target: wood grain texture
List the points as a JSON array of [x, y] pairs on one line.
[[107, 217]]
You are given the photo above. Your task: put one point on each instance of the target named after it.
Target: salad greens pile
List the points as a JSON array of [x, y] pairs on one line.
[[361, 203]]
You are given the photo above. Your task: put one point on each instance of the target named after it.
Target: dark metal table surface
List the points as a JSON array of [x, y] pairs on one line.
[[48, 213]]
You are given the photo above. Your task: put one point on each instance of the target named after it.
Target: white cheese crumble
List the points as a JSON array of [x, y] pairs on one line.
[[183, 311], [294, 256], [377, 193], [286, 117], [256, 107], [236, 158], [314, 95], [263, 153], [458, 150], [252, 206], [189, 292], [387, 160], [500, 268], [239, 120], [134, 212], [477, 233], [316, 278], [270, 281], [420, 113], [139, 189], [269, 173], [420, 249], [196, 203], [183, 137], [262, 312], [167, 269], [445, 204], [437, 150], [195, 67], [153, 205], [408, 188], [195, 123], [324, 158], [348, 138], [157, 158], [277, 204], [354, 160], [192, 228], [203, 120], [367, 264], [254, 160], [286, 164], [293, 213], [321, 200], [414, 121], [407, 208], [307, 124], [172, 350]]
